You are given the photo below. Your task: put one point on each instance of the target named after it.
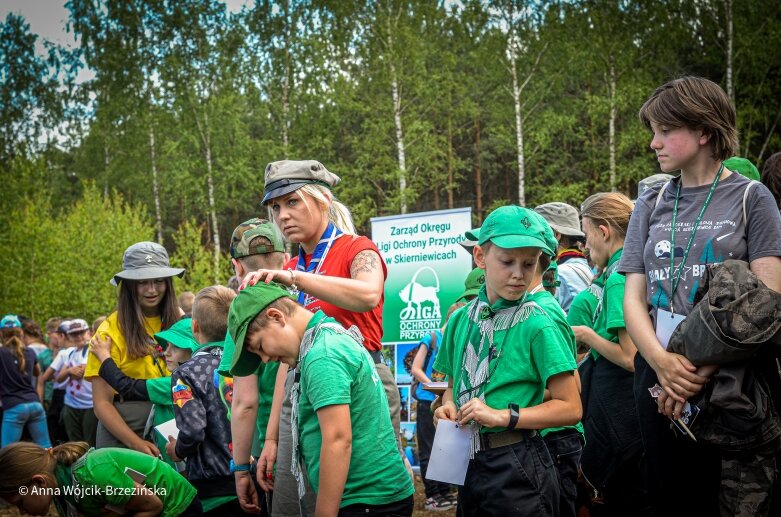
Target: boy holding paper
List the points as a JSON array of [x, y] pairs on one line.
[[340, 421], [500, 353]]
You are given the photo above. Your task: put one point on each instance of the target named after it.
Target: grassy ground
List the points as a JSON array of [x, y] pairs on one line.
[[420, 498]]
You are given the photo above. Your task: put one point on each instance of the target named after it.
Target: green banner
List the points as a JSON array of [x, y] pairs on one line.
[[426, 269]]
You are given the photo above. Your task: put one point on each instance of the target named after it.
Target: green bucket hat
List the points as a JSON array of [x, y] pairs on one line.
[[180, 334], [245, 307], [474, 281], [742, 166], [247, 231], [517, 227]]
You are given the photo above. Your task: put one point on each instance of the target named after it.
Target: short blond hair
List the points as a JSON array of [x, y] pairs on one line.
[[210, 310], [610, 209]]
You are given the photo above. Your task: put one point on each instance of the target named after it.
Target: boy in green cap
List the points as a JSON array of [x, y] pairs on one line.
[[501, 352], [341, 429]]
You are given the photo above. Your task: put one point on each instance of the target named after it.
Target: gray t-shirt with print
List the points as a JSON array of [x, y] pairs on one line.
[[722, 235]]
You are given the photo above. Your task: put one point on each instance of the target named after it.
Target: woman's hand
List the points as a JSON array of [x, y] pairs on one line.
[[100, 348], [266, 462], [279, 276], [476, 410], [678, 376], [447, 411]]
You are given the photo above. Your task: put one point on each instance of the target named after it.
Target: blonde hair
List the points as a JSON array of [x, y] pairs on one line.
[[210, 310], [695, 103], [338, 213], [610, 209], [20, 461]]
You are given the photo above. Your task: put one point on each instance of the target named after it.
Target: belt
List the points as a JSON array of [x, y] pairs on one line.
[[376, 355], [504, 438]]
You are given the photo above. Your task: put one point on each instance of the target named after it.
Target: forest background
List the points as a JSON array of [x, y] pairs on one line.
[[416, 104]]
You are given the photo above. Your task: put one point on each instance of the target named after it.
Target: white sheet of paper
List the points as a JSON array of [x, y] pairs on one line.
[[167, 429], [450, 453], [666, 322]]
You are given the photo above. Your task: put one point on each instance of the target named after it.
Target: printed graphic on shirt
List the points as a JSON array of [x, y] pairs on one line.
[[182, 393], [226, 386], [700, 255]]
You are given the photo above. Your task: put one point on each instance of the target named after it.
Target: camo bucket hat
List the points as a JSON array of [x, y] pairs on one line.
[[146, 261]]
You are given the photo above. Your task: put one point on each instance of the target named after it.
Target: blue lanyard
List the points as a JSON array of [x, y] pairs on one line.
[[330, 234], [675, 273]]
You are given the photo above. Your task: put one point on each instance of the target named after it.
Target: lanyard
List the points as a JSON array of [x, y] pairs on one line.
[[318, 255], [675, 279]]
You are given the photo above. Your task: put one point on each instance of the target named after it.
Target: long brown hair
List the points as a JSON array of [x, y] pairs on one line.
[[131, 318], [12, 339], [20, 461]]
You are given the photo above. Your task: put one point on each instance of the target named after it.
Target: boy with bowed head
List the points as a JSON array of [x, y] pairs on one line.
[[341, 428], [500, 353]]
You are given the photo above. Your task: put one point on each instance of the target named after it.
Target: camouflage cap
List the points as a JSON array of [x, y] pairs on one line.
[[286, 176], [244, 234]]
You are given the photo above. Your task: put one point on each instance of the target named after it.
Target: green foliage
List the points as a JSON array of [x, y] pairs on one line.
[[222, 94], [197, 259], [61, 265]]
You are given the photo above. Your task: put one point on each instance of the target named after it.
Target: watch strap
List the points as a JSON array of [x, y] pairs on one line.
[[514, 416]]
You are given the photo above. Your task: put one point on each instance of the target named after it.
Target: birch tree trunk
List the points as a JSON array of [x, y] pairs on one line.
[[478, 173], [450, 179], [155, 184], [396, 96], [518, 120], [730, 50], [286, 84], [203, 130], [612, 126]]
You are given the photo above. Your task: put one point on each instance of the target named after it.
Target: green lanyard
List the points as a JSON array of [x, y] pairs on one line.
[[675, 279]]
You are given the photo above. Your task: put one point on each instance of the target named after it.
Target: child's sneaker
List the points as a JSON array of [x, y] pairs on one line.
[[438, 504]]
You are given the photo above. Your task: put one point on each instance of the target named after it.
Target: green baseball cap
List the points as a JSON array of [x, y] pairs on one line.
[[180, 334], [742, 166], [248, 230], [517, 227], [474, 281], [245, 307]]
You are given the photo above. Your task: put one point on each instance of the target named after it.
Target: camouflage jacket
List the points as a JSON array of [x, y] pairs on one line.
[[734, 318]]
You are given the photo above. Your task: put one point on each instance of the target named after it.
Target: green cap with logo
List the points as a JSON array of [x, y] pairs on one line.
[[474, 281], [552, 281], [247, 231], [245, 307], [180, 334], [742, 166], [517, 227]]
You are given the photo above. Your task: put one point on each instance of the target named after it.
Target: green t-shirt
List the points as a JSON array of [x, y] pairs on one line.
[[610, 312], [338, 370], [581, 310], [552, 308], [267, 377], [529, 349], [103, 472]]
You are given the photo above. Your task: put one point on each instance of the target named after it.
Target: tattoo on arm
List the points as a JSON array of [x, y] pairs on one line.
[[364, 262]]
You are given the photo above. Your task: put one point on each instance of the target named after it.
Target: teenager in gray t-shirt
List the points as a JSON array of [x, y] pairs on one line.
[[721, 235]]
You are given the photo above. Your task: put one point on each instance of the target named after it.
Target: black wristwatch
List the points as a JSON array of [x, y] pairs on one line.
[[514, 415]]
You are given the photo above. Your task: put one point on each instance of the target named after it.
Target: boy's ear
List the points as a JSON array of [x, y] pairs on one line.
[[238, 268], [478, 253], [194, 325], [275, 315]]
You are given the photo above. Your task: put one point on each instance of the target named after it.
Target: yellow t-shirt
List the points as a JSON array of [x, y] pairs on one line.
[[142, 368]]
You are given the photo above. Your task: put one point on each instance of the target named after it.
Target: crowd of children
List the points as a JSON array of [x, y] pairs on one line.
[[275, 400]]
